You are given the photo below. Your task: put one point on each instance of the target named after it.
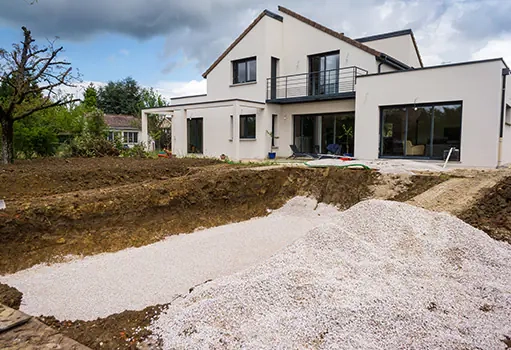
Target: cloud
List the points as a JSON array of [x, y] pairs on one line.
[[446, 30], [79, 88], [167, 89], [170, 89], [499, 47]]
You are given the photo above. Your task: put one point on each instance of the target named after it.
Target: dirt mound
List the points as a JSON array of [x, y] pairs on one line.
[[492, 213], [47, 176], [111, 219], [119, 331], [381, 275], [417, 185], [10, 296]]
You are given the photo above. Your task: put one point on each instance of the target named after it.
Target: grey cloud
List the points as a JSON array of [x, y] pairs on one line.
[[202, 29], [78, 20], [484, 19]]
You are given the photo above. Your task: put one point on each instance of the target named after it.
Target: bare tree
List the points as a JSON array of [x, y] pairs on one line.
[[30, 79]]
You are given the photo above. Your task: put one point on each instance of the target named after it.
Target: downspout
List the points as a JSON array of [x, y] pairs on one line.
[[379, 67], [505, 72]]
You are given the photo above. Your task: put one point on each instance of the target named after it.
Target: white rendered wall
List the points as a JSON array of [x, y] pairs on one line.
[[476, 85], [301, 40], [188, 99], [399, 47]]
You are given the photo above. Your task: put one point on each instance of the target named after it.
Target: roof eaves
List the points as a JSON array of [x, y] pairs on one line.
[[329, 31], [417, 49], [240, 37], [384, 35]]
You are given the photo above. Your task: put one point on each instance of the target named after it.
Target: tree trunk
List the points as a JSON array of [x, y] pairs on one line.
[[7, 141]]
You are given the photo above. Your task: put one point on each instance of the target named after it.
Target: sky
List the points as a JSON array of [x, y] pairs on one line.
[[168, 44]]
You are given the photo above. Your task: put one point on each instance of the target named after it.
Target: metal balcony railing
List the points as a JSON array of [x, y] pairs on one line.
[[326, 82]]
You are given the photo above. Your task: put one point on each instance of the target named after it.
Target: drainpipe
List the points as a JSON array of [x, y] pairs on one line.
[[379, 67], [505, 73]]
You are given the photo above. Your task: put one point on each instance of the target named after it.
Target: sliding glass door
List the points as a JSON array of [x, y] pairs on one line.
[[425, 131], [337, 131], [446, 129], [305, 133]]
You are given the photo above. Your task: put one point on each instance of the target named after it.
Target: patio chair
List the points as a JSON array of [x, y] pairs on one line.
[[298, 154]]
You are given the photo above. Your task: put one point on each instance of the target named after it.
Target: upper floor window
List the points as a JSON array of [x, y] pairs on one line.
[[244, 70]]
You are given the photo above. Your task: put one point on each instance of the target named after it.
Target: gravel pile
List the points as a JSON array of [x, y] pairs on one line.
[[381, 275], [135, 278], [384, 166]]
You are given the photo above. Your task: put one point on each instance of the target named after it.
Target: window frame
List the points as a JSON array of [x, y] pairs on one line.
[[244, 127], [130, 137], [245, 62]]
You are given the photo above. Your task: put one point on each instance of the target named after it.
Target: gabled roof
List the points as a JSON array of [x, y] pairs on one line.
[[239, 38], [122, 121], [392, 35], [329, 31], [379, 55]]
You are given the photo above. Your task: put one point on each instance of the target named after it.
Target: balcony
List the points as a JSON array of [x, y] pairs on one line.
[[323, 85]]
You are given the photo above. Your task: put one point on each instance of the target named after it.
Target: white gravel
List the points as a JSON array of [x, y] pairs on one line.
[[384, 166], [135, 278], [381, 275]]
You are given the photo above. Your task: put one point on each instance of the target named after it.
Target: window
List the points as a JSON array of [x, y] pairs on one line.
[[508, 114], [231, 129], [248, 126], [273, 129], [130, 137], [110, 136], [426, 130], [244, 71], [324, 74]]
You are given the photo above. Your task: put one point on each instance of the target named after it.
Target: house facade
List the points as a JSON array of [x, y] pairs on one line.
[[287, 80], [125, 128]]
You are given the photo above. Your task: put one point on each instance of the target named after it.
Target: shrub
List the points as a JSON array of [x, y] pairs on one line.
[[91, 146], [137, 151]]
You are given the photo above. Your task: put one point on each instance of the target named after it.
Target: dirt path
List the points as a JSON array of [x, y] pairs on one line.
[[458, 194]]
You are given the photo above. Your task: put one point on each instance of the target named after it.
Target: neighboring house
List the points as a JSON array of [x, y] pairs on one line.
[[313, 87], [123, 127]]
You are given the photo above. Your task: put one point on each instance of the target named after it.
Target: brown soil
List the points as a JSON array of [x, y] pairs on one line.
[[492, 212], [10, 296], [419, 184], [124, 330], [46, 176], [89, 206], [43, 229]]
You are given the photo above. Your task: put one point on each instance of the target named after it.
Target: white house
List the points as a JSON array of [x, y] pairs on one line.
[[321, 91], [123, 127]]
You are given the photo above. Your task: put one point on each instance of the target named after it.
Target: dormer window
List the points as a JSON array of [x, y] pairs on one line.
[[244, 71]]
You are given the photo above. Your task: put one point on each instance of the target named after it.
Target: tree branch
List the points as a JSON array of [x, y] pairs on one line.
[[43, 107]]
